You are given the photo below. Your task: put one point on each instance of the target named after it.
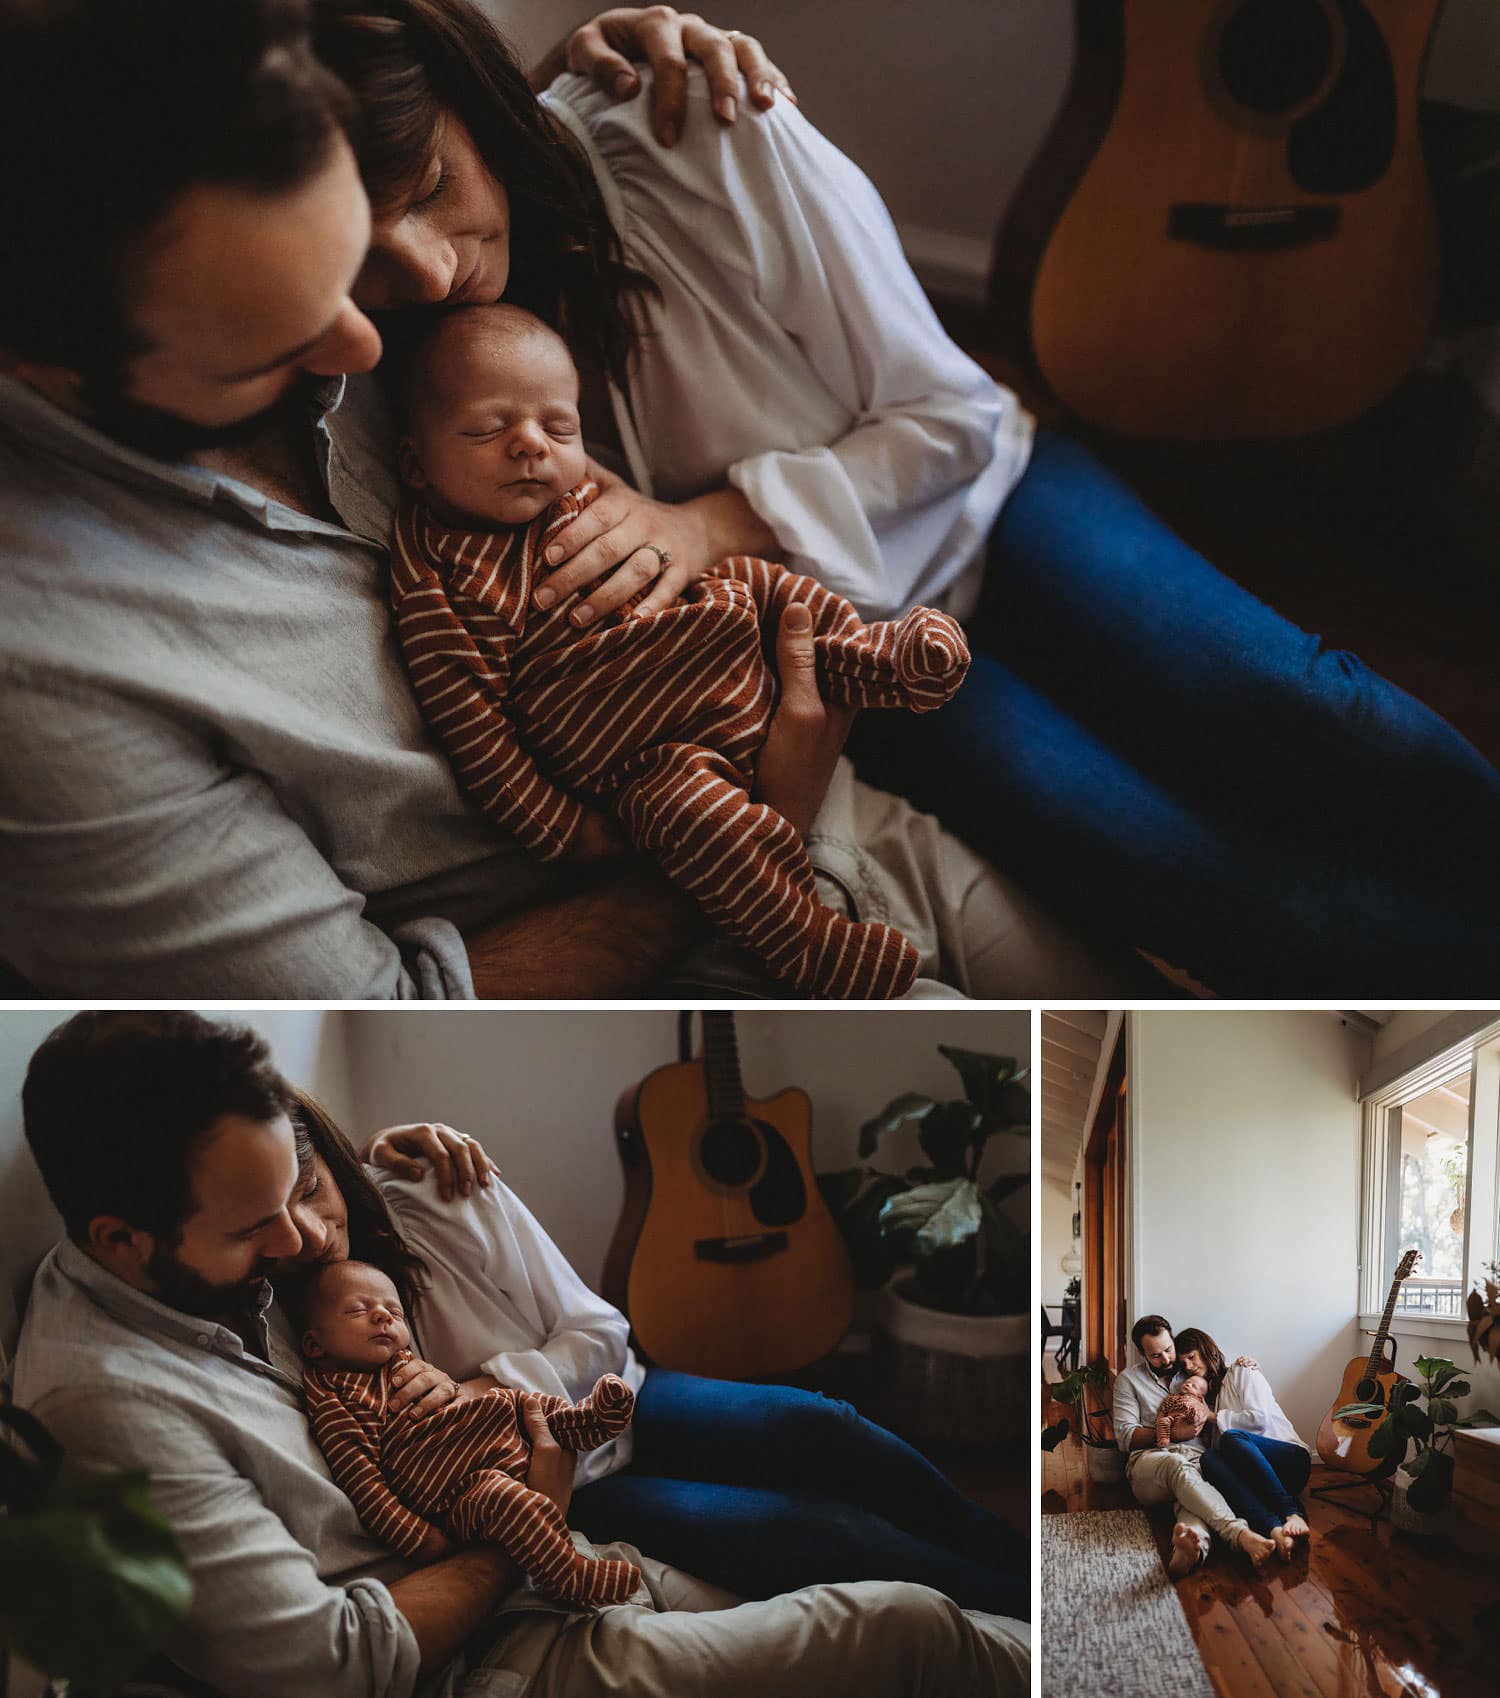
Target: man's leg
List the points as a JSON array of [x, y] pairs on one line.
[[1154, 1480], [973, 928], [880, 1639]]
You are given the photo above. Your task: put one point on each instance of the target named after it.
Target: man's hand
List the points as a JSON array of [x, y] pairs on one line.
[[603, 49], [807, 734], [435, 1546], [1186, 1428], [456, 1158], [552, 1468]]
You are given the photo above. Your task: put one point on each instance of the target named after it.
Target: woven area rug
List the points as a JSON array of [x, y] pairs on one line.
[[1111, 1623]]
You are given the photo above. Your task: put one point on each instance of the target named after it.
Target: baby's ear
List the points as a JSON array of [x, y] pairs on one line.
[[408, 466], [311, 1346]]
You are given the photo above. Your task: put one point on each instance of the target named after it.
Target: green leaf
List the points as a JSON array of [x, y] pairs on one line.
[[891, 1118], [839, 1189], [1385, 1438], [1358, 1409], [1413, 1421], [982, 1074], [1442, 1411], [1054, 1435], [1480, 1418], [873, 1255], [93, 1583], [1458, 1388], [908, 1211], [1420, 1463], [1404, 1392], [946, 1136], [955, 1222], [1443, 1376], [1430, 1490]]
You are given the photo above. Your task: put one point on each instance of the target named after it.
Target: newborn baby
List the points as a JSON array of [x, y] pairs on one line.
[[460, 1468], [658, 718], [1188, 1399]]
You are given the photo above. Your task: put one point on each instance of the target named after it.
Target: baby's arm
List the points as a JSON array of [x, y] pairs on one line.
[[356, 1470]]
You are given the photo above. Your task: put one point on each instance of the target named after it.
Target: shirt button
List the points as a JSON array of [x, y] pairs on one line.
[[203, 1339]]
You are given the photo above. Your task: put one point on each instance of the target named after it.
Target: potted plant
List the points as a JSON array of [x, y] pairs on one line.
[[1421, 1421], [91, 1578], [1103, 1456], [1484, 1315], [952, 1333]]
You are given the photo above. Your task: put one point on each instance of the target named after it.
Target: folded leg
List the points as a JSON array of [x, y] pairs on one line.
[[748, 868], [496, 1509]]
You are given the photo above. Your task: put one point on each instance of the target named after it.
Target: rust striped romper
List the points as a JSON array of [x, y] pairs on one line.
[[661, 719], [463, 1467]]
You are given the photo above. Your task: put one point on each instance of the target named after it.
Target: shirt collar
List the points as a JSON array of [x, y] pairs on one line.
[[144, 1313]]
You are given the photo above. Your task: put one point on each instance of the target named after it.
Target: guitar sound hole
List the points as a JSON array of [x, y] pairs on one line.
[[1368, 1391], [1274, 55], [730, 1152]]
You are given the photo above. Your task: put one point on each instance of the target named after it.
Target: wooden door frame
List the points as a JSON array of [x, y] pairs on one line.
[[1101, 1334]]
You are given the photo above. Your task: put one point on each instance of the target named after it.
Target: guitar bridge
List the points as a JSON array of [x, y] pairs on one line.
[[1250, 229], [745, 1247]]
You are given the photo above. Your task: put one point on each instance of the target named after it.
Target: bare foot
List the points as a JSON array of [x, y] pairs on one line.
[[1284, 1542], [1187, 1553], [1259, 1550], [1297, 1527]]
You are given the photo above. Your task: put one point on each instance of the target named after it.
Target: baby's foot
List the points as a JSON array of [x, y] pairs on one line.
[[1259, 1549], [931, 657], [1187, 1552]]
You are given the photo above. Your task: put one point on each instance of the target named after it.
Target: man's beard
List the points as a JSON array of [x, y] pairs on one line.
[[168, 436], [181, 1287]]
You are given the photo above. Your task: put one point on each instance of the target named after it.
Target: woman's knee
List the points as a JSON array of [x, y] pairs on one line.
[[811, 1420]]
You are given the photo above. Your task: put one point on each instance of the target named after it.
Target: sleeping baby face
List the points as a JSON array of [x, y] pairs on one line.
[[1194, 1386], [353, 1318], [492, 429]]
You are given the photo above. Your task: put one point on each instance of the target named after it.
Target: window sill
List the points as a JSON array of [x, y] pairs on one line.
[[1418, 1326]]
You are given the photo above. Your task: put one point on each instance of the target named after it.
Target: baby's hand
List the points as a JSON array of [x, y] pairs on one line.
[[598, 838]]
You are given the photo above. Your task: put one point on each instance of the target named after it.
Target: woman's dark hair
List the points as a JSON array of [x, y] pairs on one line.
[[406, 63], [1194, 1338], [115, 1102], [373, 1235], [109, 112]]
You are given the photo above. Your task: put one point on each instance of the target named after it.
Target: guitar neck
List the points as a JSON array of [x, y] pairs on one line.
[[1377, 1354], [721, 1068]]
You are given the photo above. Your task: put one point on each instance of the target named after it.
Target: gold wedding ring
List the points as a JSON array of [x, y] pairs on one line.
[[661, 554]]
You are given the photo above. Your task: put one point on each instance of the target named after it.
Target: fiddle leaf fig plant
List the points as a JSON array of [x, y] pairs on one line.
[[1094, 1424], [91, 1577], [1421, 1421], [938, 1217]]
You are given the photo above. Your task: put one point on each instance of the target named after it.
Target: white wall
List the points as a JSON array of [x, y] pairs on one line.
[[1246, 1162], [946, 102], [538, 1089], [1057, 1238]]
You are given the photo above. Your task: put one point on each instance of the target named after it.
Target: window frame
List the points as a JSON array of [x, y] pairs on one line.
[[1379, 1253]]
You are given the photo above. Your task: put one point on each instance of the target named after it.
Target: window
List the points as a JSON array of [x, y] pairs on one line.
[[1430, 1184]]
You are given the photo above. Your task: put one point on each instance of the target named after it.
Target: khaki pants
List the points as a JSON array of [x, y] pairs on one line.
[[688, 1639], [1160, 1476], [977, 933]]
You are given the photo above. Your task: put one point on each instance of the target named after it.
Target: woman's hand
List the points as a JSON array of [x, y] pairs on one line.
[[456, 1158], [1244, 1362], [616, 539], [418, 1386], [807, 734], [603, 48], [552, 1468]]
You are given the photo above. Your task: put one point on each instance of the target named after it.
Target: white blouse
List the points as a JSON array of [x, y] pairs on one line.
[[795, 355], [504, 1300], [1247, 1403]]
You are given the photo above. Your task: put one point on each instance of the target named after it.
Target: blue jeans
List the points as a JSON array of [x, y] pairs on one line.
[[763, 1489], [1153, 751], [1260, 1478]]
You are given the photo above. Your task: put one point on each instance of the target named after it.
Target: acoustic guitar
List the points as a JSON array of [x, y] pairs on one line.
[[1252, 250], [726, 1259], [1368, 1379]]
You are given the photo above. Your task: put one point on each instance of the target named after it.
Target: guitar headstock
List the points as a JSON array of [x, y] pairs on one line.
[[1408, 1264]]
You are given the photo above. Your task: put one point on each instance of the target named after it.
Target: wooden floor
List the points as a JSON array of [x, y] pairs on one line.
[[1360, 1613], [1320, 530]]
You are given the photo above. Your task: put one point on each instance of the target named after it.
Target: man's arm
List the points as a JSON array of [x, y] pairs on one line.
[[448, 1601]]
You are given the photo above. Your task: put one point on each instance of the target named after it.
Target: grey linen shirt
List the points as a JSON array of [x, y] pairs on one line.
[[289, 1591], [214, 777]]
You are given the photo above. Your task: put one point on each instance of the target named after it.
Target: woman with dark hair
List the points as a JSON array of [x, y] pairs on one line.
[[1256, 1461], [762, 1489], [758, 356]]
